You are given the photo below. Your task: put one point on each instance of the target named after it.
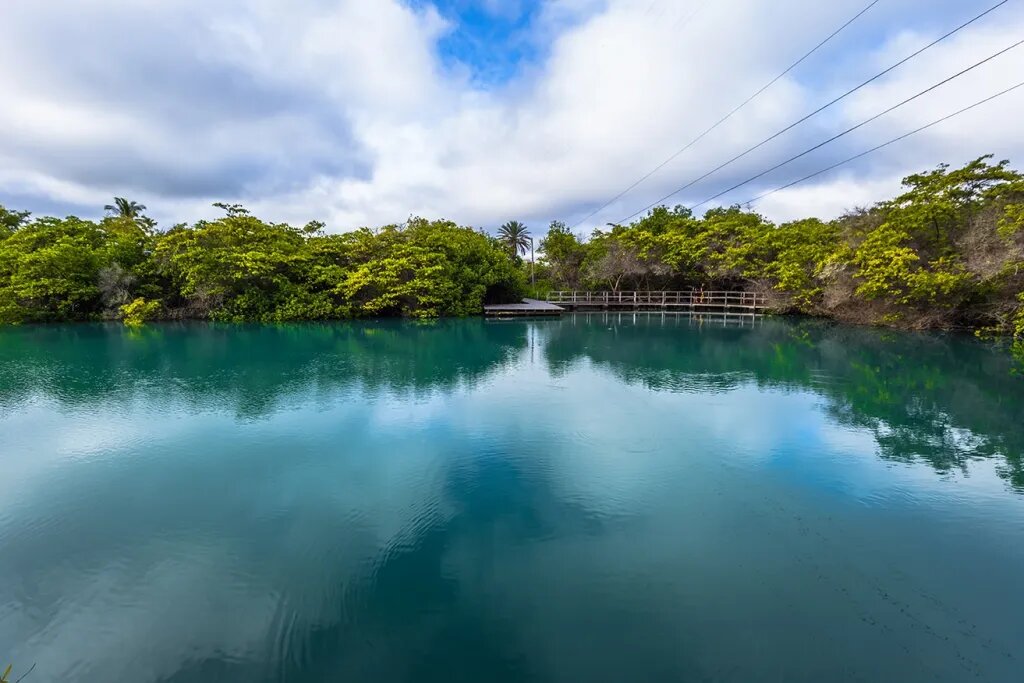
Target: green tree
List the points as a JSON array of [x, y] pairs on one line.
[[49, 270], [515, 236], [939, 204], [429, 269], [123, 208], [611, 261], [130, 211], [793, 258], [11, 220], [232, 210], [564, 254], [240, 268]]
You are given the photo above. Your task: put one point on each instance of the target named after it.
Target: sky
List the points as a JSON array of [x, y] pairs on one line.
[[366, 112]]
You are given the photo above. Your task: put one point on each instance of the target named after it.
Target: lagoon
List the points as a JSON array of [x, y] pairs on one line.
[[601, 497]]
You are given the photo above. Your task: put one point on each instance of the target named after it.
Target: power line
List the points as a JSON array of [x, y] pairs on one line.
[[728, 116], [819, 109], [684, 20], [886, 144], [861, 124]]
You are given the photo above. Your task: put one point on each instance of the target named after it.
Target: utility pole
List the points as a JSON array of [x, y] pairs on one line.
[[533, 278]]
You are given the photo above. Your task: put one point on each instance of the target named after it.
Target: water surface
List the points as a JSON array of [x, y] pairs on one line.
[[596, 498]]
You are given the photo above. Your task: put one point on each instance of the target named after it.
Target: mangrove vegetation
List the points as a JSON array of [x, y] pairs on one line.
[[946, 253]]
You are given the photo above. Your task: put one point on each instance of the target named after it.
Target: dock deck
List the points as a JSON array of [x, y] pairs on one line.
[[693, 301], [529, 307]]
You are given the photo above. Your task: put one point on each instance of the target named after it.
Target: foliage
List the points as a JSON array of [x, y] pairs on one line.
[[1018, 333], [428, 269], [1012, 222], [49, 270], [564, 254], [132, 211], [139, 312], [125, 208], [885, 264], [515, 236], [11, 221], [792, 257], [232, 210], [233, 269], [613, 260], [947, 252], [1018, 320], [240, 268]]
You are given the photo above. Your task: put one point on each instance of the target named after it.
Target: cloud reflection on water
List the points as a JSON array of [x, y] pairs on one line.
[[562, 499]]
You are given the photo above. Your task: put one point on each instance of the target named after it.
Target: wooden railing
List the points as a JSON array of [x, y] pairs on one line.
[[693, 299]]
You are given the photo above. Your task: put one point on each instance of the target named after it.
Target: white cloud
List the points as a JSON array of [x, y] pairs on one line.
[[828, 197], [343, 109]]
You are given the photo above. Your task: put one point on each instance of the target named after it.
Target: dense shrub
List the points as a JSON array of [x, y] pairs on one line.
[[240, 268]]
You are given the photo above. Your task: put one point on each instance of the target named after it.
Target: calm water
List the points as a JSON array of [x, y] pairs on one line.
[[602, 498]]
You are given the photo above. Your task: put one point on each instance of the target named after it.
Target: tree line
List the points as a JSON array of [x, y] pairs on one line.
[[240, 268], [947, 252]]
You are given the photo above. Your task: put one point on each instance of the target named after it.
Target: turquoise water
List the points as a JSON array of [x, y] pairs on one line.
[[597, 498]]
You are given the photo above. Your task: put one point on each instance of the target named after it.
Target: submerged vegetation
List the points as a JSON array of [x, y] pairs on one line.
[[948, 252]]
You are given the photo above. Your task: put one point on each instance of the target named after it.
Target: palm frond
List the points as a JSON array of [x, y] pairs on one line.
[[125, 208], [516, 236]]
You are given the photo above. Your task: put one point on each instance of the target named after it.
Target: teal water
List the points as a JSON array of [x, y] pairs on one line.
[[597, 498]]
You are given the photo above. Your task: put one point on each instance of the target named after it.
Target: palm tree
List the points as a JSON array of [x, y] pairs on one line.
[[125, 209], [516, 236]]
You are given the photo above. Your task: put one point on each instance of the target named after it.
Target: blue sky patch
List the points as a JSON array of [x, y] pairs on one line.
[[491, 38]]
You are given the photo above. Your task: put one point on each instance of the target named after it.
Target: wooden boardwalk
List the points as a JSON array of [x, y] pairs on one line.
[[692, 301], [529, 308]]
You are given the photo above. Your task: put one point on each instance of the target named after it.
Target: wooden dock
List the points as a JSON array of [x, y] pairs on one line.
[[692, 301], [528, 308]]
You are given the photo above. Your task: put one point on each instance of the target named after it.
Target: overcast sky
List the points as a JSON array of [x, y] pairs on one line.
[[364, 112]]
